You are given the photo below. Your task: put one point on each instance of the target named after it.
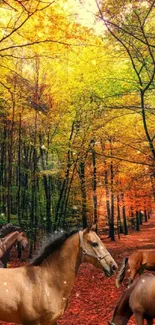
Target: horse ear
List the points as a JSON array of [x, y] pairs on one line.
[[94, 227], [90, 228], [86, 230]]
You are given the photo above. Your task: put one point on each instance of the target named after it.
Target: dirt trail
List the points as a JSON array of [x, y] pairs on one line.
[[94, 297]]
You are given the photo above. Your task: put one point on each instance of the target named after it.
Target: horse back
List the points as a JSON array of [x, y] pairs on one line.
[[142, 296], [149, 259], [135, 260], [142, 258]]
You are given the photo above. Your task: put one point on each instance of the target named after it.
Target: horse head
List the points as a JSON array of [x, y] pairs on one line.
[[22, 238], [95, 252]]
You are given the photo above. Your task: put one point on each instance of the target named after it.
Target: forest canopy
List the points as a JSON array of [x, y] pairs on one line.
[[77, 114]]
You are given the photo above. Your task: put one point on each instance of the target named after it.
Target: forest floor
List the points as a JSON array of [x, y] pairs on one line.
[[94, 296]]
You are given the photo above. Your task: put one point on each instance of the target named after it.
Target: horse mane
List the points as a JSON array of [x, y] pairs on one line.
[[51, 244], [118, 303], [124, 298], [7, 229]]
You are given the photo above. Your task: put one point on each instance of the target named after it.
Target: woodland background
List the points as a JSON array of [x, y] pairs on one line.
[[77, 115]]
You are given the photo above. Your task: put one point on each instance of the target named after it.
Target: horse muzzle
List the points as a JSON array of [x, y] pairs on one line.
[[111, 269], [114, 268], [24, 244]]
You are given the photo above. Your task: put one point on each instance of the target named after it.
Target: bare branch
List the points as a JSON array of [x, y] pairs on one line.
[[126, 160], [16, 29], [6, 87], [149, 11], [6, 3], [29, 15], [108, 22], [42, 41]]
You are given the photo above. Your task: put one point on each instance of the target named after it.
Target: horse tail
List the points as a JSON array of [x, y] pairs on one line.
[[121, 273]]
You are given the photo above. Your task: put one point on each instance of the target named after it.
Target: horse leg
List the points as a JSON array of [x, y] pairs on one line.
[[132, 276], [142, 268], [139, 318]]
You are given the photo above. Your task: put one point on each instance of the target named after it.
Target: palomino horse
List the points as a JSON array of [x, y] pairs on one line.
[[11, 235], [37, 293], [139, 300], [138, 261]]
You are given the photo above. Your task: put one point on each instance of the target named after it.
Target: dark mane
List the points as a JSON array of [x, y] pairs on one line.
[[124, 299], [118, 303], [51, 244], [7, 229]]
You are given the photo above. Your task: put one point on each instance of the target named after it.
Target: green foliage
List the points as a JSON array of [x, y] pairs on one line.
[[70, 89]]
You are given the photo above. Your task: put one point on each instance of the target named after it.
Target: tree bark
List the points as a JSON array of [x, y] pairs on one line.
[[112, 230], [125, 226], [137, 221], [83, 194], [94, 185]]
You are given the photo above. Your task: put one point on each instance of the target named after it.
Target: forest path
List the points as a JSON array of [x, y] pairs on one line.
[[94, 296]]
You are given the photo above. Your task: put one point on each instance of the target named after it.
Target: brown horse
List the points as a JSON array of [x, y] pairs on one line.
[[137, 262], [37, 294], [139, 300], [11, 235]]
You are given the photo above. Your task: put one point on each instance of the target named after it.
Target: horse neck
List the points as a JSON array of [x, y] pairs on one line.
[[10, 239], [122, 312], [64, 264]]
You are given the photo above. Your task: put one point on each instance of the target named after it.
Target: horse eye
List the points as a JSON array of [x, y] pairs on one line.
[[94, 244]]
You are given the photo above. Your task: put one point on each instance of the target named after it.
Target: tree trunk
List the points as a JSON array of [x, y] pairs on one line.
[[70, 181], [19, 173], [137, 221], [83, 194], [94, 185], [145, 216], [3, 170], [125, 226], [63, 192], [47, 188], [119, 223], [10, 158], [107, 194], [112, 230]]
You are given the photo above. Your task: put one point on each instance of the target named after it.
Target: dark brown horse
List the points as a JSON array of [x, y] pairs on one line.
[[9, 235], [137, 262], [137, 300], [37, 294]]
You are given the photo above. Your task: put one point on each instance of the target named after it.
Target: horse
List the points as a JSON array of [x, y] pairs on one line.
[[137, 300], [37, 293], [137, 262], [10, 234]]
